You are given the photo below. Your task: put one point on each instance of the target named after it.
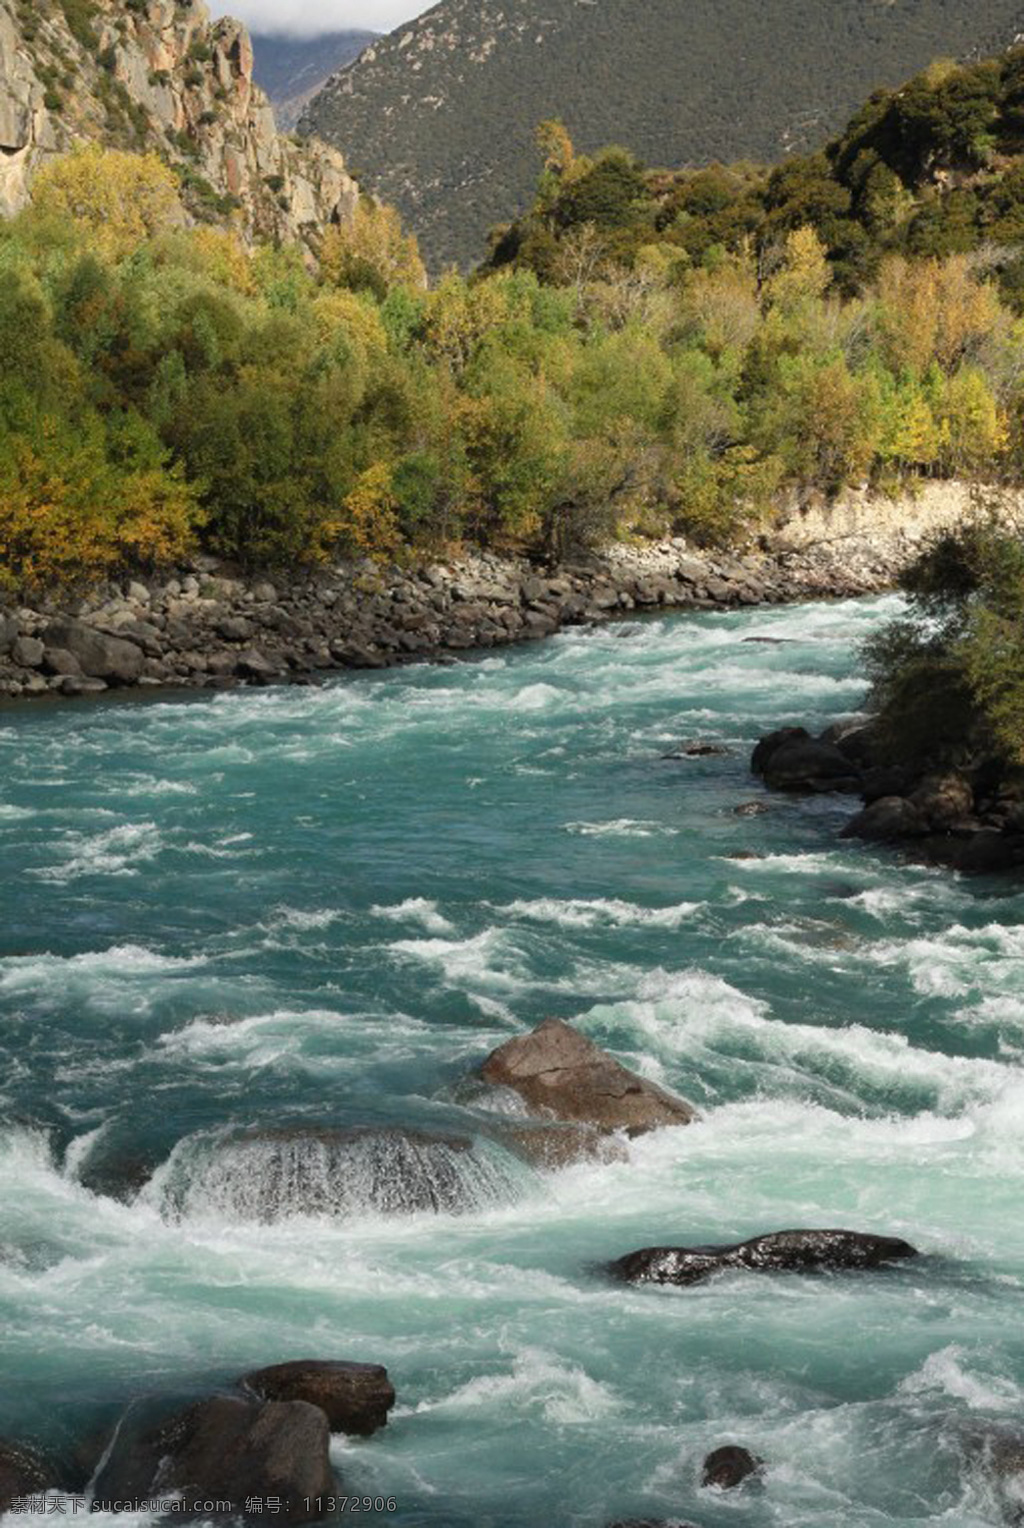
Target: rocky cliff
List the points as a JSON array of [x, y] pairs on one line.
[[159, 75]]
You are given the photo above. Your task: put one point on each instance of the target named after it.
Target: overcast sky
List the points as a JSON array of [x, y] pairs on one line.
[[307, 18]]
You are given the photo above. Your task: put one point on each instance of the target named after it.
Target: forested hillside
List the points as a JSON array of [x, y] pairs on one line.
[[439, 117]]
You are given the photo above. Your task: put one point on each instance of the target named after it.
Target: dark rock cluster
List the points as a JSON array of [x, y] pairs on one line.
[[267, 1437], [969, 818]]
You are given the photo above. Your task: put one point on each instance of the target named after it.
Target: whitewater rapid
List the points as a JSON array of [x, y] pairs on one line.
[[322, 908]]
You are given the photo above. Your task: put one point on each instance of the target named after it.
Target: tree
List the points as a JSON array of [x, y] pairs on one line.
[[117, 199]]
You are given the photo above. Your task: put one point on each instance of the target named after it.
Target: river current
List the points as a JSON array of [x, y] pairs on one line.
[[325, 906]]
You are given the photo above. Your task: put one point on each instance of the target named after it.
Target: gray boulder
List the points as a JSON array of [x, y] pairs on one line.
[[559, 1072], [355, 1398], [27, 652], [99, 656], [779, 1252]]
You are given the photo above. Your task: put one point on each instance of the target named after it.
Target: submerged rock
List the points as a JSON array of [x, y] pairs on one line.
[[23, 1472], [781, 1251], [729, 1466], [268, 1175], [355, 1398], [224, 1450], [557, 1071]]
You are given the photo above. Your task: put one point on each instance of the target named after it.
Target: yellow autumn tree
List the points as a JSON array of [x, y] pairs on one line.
[[368, 521], [119, 199], [804, 274], [372, 250]]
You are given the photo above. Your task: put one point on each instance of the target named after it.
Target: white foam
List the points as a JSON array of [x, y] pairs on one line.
[[419, 910], [560, 1392], [951, 1372], [123, 850], [600, 912], [622, 827]]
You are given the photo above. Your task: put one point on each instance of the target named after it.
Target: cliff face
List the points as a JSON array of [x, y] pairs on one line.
[[160, 75]]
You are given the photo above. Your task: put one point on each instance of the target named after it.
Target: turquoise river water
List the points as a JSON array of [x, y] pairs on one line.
[[325, 906]]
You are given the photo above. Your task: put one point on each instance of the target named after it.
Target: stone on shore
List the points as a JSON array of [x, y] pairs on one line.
[[354, 1397], [827, 1251], [561, 1073], [99, 656]]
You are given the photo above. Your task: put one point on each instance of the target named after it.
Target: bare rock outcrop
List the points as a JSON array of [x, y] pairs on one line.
[[160, 75]]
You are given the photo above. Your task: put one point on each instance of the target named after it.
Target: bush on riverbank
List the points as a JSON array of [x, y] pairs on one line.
[[162, 387], [949, 675]]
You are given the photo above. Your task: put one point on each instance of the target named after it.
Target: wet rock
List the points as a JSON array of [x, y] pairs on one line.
[[354, 1397], [988, 852], [699, 749], [23, 1472], [99, 656], [729, 1466], [887, 821], [772, 742], [779, 1252], [558, 1071], [808, 764], [224, 1449], [751, 809]]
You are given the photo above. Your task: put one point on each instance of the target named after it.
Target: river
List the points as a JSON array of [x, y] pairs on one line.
[[327, 905]]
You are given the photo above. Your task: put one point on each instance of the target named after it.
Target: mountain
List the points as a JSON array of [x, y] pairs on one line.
[[932, 169], [293, 70], [440, 115], [159, 75]]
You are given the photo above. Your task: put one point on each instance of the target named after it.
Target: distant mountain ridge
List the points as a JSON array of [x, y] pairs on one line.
[[440, 115], [292, 70]]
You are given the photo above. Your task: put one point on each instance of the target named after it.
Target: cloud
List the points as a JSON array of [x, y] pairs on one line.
[[309, 18]]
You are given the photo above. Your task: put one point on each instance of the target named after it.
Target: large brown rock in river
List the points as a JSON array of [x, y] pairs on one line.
[[225, 1449], [355, 1398], [557, 1071], [781, 1251]]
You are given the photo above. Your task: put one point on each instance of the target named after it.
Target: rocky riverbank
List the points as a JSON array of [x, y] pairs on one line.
[[208, 628], [968, 818]]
